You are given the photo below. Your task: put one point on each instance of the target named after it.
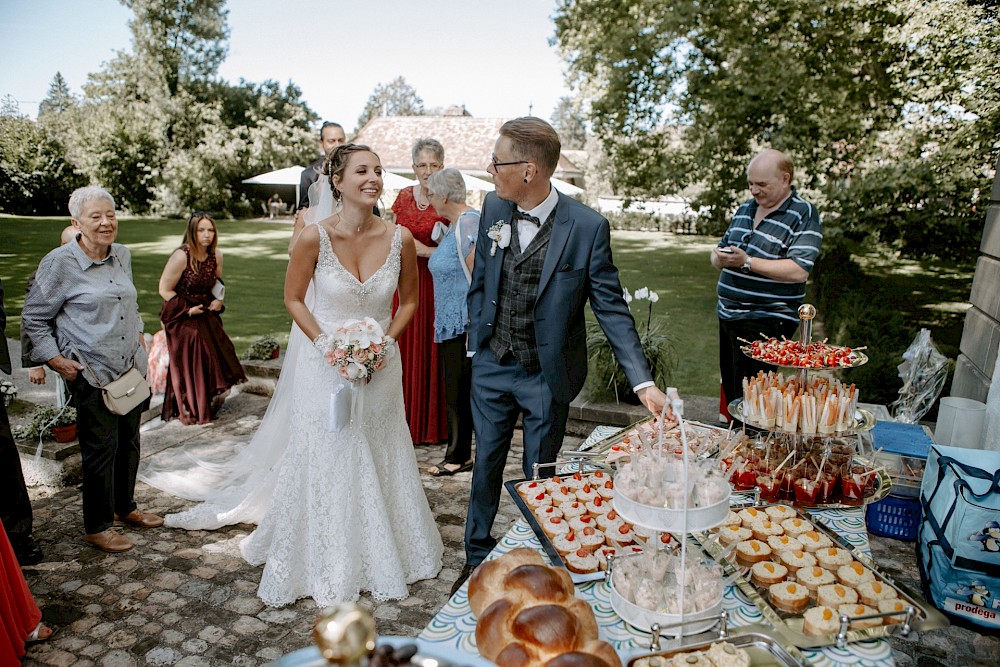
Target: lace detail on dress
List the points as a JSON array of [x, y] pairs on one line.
[[329, 263], [348, 511]]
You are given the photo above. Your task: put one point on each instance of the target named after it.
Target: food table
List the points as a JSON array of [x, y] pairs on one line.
[[454, 625]]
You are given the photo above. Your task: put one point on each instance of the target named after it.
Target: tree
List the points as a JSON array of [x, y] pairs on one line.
[[10, 107], [35, 179], [58, 99], [805, 77], [923, 185], [183, 41], [857, 91], [396, 98], [568, 121]]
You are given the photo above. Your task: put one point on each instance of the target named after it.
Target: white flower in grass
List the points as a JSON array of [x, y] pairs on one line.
[[642, 293], [654, 297]]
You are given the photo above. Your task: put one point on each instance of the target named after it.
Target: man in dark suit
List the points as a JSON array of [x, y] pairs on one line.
[[15, 506], [331, 135], [540, 257]]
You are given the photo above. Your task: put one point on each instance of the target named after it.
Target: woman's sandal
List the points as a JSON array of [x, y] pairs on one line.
[[442, 471], [41, 633]]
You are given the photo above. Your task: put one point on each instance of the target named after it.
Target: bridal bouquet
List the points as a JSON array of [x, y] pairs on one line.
[[358, 348]]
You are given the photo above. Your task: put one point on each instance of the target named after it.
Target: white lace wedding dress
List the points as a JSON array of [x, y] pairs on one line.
[[347, 512]]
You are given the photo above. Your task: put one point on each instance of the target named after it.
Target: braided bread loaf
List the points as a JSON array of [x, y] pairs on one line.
[[528, 616]]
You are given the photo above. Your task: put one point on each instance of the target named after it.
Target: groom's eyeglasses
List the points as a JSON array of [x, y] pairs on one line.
[[493, 161]]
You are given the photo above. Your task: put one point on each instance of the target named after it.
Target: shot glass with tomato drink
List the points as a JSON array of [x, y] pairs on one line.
[[806, 490], [856, 482], [788, 477], [770, 488], [745, 478], [828, 484]]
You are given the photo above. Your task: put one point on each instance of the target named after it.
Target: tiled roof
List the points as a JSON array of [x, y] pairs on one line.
[[468, 142]]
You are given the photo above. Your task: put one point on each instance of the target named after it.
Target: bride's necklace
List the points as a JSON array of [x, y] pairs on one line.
[[363, 223], [421, 206]]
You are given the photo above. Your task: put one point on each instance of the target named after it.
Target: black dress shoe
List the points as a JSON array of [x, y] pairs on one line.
[[465, 574], [29, 553]]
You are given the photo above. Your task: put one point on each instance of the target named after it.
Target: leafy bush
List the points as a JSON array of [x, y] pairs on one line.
[[605, 376], [262, 348], [43, 419], [638, 221]]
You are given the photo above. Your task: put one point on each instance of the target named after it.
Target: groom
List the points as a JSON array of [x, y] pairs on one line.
[[540, 257]]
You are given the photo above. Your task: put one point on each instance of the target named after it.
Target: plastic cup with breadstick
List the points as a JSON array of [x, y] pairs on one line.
[[777, 470]]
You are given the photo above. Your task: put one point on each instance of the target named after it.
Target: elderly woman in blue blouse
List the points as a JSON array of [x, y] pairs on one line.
[[451, 270], [83, 308]]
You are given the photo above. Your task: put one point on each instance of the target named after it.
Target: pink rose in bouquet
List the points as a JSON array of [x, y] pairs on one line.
[[358, 348]]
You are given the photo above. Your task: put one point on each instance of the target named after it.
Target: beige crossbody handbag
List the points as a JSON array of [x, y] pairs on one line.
[[124, 393]]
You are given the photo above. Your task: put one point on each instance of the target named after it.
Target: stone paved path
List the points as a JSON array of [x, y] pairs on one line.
[[177, 600]]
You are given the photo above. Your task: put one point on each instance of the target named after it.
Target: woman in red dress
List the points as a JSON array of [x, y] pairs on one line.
[[423, 384], [203, 364], [20, 619]]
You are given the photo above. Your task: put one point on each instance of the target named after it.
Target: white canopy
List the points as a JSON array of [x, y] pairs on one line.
[[391, 181], [286, 176], [566, 188], [477, 184]]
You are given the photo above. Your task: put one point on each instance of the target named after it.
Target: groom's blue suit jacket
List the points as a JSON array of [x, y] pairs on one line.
[[577, 267]]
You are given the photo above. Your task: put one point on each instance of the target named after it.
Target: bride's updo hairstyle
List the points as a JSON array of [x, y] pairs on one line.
[[337, 163]]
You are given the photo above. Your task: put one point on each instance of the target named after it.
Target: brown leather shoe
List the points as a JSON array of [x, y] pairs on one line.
[[109, 540], [140, 519]]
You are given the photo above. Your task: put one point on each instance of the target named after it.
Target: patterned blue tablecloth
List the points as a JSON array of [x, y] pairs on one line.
[[455, 625]]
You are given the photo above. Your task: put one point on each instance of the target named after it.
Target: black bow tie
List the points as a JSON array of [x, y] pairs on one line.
[[518, 215]]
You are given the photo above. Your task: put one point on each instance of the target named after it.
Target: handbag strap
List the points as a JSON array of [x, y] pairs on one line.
[[458, 249], [85, 362]]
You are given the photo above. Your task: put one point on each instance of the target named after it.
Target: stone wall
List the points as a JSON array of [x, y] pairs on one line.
[[981, 336]]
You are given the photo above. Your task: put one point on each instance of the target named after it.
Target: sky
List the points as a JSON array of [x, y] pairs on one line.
[[493, 57]]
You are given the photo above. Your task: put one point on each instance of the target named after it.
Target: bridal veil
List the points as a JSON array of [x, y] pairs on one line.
[[235, 485]]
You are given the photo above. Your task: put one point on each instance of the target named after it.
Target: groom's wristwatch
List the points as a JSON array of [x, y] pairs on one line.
[[746, 265]]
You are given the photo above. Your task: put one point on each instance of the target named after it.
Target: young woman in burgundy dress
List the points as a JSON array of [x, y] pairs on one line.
[[203, 363]]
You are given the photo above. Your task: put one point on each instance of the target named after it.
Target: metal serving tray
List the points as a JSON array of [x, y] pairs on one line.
[[758, 641], [550, 551], [789, 626], [601, 447]]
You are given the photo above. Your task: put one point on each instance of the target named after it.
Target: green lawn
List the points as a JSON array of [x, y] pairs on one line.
[[678, 270], [930, 294], [255, 257]]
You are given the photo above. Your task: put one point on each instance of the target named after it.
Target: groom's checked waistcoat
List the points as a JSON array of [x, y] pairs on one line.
[[522, 271]]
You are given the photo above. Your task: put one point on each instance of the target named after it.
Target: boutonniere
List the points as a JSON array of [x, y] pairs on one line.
[[500, 234]]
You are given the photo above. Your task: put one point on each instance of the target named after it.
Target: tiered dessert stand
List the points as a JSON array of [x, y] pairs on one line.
[[678, 522], [860, 422]]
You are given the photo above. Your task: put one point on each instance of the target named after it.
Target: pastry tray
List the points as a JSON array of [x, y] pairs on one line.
[[758, 641], [863, 421], [602, 446], [789, 625], [547, 547]]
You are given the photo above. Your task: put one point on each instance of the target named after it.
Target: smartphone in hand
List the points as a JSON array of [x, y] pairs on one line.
[[726, 250]]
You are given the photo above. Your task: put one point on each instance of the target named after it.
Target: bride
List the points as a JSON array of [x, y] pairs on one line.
[[340, 510]]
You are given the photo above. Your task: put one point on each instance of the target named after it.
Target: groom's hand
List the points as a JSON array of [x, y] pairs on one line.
[[654, 400]]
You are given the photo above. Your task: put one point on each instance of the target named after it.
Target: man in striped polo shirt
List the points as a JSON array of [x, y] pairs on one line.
[[764, 260]]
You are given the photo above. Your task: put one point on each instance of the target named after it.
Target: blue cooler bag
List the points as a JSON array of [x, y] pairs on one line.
[[958, 544]]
